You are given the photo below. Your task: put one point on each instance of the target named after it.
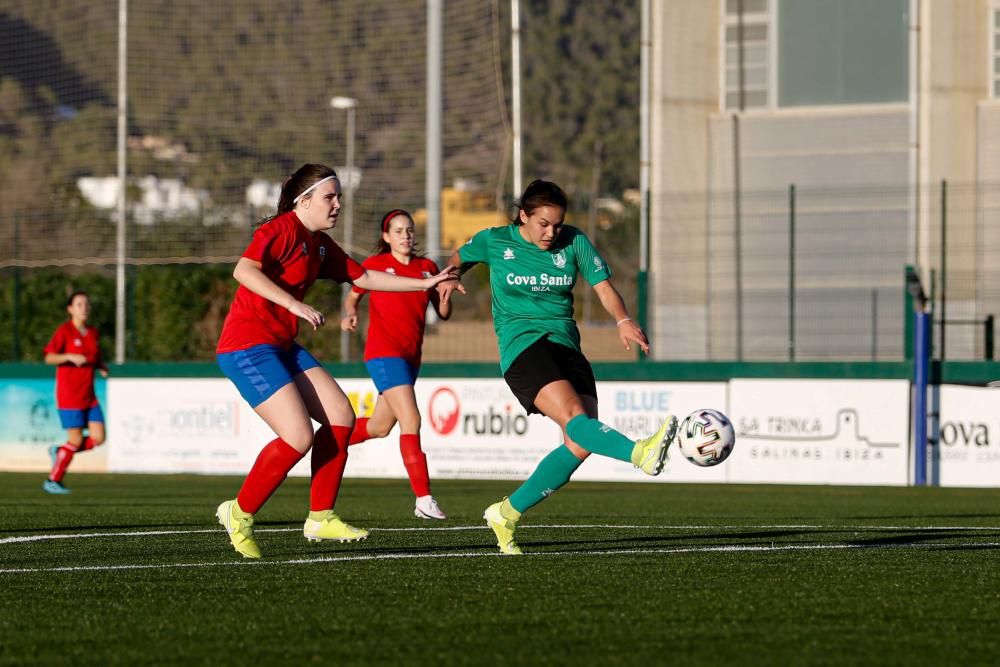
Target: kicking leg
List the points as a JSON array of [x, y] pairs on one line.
[[555, 400]]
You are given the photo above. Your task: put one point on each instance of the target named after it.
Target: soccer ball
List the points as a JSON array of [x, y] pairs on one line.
[[706, 437]]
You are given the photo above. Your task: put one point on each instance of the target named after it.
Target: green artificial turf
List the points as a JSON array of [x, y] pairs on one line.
[[643, 574]]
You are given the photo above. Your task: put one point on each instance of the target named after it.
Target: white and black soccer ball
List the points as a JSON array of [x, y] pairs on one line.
[[706, 437]]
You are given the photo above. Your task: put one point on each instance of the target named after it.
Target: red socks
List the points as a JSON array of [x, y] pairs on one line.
[[329, 457], [63, 457], [360, 432], [409, 447], [268, 472], [416, 464]]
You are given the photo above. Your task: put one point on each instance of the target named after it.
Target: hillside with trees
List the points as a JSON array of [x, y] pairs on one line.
[[218, 98]]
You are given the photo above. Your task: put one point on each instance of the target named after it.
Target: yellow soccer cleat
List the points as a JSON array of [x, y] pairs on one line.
[[325, 525], [239, 525], [503, 528], [650, 454]]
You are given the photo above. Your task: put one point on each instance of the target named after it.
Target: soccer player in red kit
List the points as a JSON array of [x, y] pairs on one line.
[[393, 350], [76, 352], [281, 380]]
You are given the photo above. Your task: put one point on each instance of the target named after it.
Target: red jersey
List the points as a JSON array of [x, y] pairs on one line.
[[293, 258], [75, 384], [396, 319]]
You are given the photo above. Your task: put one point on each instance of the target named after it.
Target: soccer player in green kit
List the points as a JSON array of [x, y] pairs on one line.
[[534, 264]]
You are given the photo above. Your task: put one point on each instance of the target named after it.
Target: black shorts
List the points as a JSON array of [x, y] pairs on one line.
[[544, 362]]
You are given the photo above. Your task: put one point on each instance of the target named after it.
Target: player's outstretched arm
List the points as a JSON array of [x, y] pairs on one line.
[[248, 273], [446, 288], [379, 281], [628, 330]]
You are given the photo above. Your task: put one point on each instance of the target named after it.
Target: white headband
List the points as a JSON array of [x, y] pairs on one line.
[[313, 187]]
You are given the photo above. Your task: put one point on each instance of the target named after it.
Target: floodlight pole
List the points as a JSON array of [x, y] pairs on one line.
[[435, 88], [515, 87], [350, 105], [122, 121], [642, 279]]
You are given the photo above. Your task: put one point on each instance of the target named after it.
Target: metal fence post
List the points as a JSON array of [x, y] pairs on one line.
[[16, 306], [944, 262], [909, 275], [874, 325], [988, 334], [921, 367], [642, 301], [791, 272]]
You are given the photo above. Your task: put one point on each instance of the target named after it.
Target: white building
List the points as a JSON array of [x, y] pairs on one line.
[[160, 198], [865, 106]]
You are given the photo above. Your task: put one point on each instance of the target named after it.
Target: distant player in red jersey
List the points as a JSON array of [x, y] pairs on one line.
[[283, 383], [393, 350], [76, 352]]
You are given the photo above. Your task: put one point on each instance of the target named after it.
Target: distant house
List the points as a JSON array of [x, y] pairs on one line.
[[160, 198]]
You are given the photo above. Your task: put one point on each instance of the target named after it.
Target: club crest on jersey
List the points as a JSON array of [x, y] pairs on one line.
[[391, 270], [508, 254], [78, 342], [559, 259]]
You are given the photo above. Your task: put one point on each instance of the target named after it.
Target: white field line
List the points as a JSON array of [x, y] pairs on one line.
[[593, 526], [494, 554]]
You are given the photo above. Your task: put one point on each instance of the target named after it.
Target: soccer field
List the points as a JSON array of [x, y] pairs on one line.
[[134, 569]]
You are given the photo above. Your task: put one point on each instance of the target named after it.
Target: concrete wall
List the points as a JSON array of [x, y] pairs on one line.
[[859, 216]]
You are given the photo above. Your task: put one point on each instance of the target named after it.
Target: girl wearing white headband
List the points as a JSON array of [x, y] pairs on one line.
[[281, 381]]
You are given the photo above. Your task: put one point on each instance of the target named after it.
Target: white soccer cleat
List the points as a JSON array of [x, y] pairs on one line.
[[427, 508]]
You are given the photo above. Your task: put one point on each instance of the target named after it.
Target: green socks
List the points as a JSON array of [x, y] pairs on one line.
[[559, 465], [552, 472], [600, 438]]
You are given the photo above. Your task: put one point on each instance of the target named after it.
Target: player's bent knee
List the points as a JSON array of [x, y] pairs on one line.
[[410, 425], [575, 424], [342, 418], [299, 441], [578, 451]]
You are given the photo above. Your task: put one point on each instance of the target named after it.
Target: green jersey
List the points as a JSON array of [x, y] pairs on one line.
[[533, 288]]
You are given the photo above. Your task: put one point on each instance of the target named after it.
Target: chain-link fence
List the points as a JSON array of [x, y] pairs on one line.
[[222, 105], [818, 273]]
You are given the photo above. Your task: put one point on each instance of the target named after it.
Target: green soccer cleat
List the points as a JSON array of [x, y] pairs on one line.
[[325, 525], [503, 528], [239, 526], [55, 488], [650, 454]]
